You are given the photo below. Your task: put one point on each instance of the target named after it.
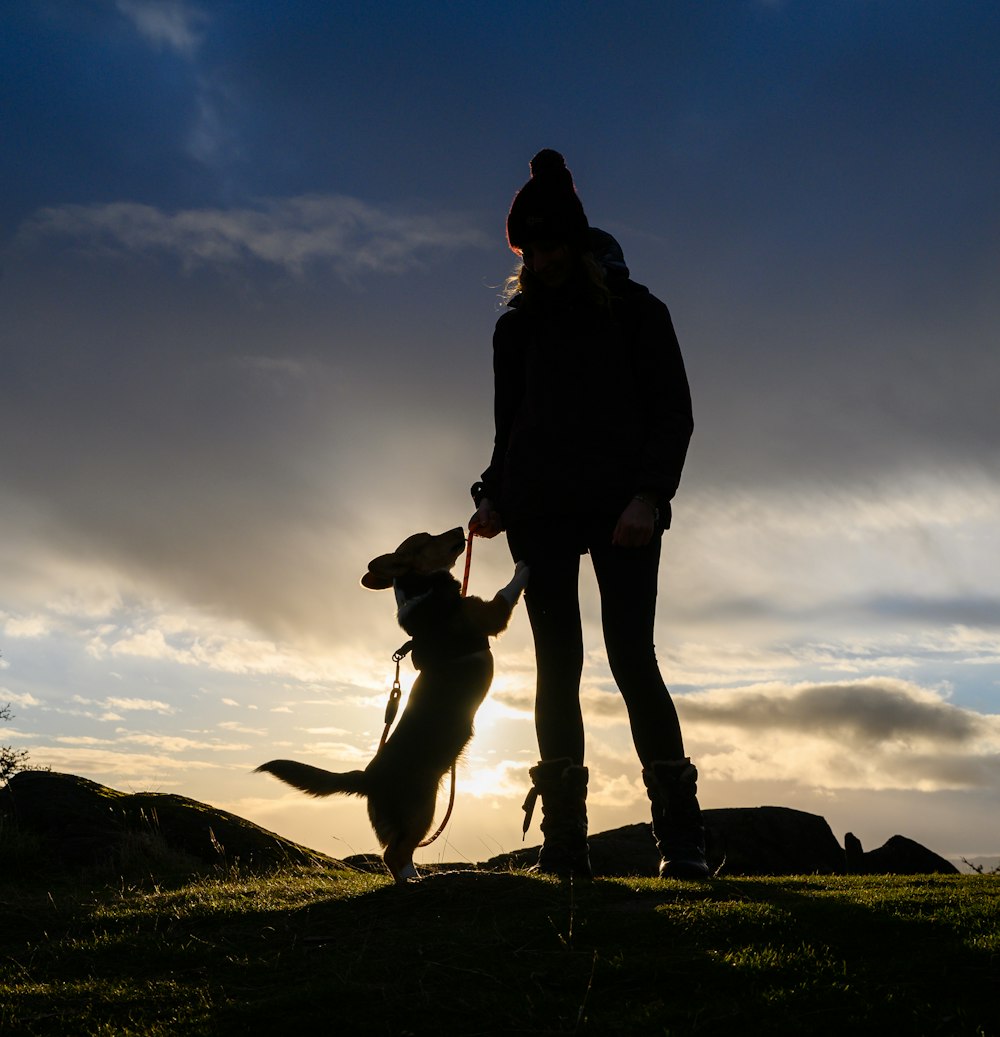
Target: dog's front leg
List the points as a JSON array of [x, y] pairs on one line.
[[513, 590], [491, 617]]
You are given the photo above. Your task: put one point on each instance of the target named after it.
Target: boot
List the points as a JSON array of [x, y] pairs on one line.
[[563, 788], [677, 826]]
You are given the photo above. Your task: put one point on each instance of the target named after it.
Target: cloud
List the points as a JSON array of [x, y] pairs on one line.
[[178, 743], [351, 236], [189, 643], [141, 705], [225, 646], [871, 711], [872, 733], [25, 626], [126, 705], [233, 725], [971, 611], [342, 753], [135, 770], [167, 24], [13, 698]]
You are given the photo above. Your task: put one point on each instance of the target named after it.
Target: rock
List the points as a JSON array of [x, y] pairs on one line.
[[897, 856], [83, 823], [853, 853], [771, 841]]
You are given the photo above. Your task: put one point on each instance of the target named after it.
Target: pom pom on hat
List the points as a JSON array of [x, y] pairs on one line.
[[547, 207], [547, 162]]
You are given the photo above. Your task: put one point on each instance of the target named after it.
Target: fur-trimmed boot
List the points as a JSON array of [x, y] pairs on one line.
[[672, 786], [563, 788]]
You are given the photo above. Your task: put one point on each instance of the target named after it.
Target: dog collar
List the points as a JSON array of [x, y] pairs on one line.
[[404, 605]]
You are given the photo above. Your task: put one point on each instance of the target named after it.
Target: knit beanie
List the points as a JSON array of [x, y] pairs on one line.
[[547, 207]]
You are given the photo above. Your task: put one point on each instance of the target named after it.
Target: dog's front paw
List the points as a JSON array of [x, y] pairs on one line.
[[513, 589]]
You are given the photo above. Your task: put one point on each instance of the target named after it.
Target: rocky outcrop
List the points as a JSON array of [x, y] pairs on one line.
[[897, 856], [753, 841], [81, 823]]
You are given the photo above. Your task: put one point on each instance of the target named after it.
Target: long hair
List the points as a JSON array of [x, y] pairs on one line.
[[589, 273]]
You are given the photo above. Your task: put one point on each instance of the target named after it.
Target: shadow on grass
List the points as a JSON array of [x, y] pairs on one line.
[[484, 953], [909, 954]]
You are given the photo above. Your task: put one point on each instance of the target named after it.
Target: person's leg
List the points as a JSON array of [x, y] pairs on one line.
[[627, 578], [553, 605], [560, 779]]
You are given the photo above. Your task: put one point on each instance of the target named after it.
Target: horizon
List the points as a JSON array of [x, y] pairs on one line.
[[251, 266]]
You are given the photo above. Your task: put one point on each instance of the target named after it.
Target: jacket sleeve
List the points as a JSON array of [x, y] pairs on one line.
[[508, 392], [664, 398]]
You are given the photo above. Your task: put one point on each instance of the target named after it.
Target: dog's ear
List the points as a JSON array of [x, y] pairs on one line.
[[375, 583], [382, 571]]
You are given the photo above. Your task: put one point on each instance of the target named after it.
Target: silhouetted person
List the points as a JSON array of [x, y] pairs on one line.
[[593, 419]]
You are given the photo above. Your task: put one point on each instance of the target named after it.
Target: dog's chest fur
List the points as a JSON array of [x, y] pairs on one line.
[[431, 612]]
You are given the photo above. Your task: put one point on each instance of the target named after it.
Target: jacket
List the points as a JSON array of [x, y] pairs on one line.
[[591, 406]]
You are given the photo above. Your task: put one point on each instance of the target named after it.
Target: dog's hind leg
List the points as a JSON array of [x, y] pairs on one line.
[[400, 844], [398, 859], [401, 816]]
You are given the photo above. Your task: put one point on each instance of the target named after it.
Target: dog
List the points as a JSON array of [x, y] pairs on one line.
[[450, 643]]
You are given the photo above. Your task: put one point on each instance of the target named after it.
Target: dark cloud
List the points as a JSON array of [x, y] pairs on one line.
[[971, 611], [949, 769], [867, 713], [929, 611]]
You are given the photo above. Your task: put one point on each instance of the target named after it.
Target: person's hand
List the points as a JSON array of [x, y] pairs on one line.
[[486, 522], [636, 524]]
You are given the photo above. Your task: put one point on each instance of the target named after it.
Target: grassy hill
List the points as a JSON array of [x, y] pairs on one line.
[[311, 950]]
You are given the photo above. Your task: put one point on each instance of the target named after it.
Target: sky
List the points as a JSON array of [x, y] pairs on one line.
[[251, 257]]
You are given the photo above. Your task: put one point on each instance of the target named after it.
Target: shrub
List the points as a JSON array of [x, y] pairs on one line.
[[11, 760]]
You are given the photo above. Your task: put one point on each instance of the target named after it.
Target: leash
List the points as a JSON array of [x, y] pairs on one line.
[[468, 566], [392, 706], [395, 692]]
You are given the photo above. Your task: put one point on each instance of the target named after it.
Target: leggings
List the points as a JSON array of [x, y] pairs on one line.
[[626, 577]]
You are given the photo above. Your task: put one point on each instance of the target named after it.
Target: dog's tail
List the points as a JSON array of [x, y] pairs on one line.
[[313, 780]]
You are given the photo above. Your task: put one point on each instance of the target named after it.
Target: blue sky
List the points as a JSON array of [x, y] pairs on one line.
[[251, 256]]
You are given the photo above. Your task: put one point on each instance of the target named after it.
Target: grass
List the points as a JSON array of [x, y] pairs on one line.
[[307, 951]]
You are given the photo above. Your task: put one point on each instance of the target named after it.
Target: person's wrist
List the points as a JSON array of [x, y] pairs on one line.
[[650, 503]]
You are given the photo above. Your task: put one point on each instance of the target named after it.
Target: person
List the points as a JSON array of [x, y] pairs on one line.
[[593, 418]]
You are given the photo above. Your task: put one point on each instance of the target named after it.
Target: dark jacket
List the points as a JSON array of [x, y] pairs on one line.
[[591, 406]]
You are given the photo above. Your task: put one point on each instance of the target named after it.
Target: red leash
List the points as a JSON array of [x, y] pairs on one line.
[[468, 566], [396, 692]]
